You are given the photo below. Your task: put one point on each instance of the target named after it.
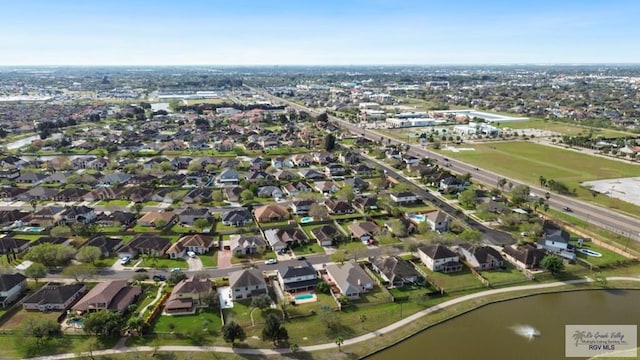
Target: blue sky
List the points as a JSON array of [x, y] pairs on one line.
[[322, 32]]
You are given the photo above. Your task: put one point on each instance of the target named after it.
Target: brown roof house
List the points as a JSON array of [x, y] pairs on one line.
[[54, 296], [199, 244], [247, 283], [188, 295], [114, 295], [154, 217], [271, 212], [144, 244], [349, 278], [440, 258], [363, 231]]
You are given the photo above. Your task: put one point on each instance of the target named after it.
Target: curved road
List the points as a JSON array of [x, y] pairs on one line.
[[330, 346], [602, 217]]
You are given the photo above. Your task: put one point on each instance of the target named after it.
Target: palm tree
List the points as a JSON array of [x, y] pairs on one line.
[[339, 342], [501, 183], [543, 181]]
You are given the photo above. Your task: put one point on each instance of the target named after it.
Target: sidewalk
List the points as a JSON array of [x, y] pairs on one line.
[[328, 346]]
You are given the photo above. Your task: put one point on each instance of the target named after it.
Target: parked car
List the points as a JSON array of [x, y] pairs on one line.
[[141, 270], [125, 260], [191, 254], [301, 258], [176, 270], [271, 262], [567, 209], [159, 277]]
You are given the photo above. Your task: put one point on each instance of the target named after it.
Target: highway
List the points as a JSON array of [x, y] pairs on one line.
[[594, 215]]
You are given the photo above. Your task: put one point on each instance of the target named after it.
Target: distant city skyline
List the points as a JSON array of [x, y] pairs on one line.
[[330, 32]]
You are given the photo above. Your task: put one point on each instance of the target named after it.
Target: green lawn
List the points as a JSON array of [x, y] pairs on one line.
[[562, 128], [508, 275], [311, 248], [116, 202], [106, 262], [110, 229], [148, 295], [527, 161], [209, 260], [453, 281], [181, 323], [608, 257], [163, 263], [239, 313], [411, 291], [30, 237]]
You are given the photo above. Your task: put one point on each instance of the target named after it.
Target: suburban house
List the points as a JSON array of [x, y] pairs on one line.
[[232, 194], [557, 241], [99, 194], [82, 214], [451, 184], [107, 245], [189, 215], [11, 287], [439, 258], [366, 203], [242, 245], [335, 169], [301, 207], [153, 218], [198, 195], [481, 257], [362, 170], [113, 295], [438, 221], [247, 283], [197, 243], [54, 296], [12, 245], [327, 234], [326, 187], [349, 278], [338, 207], [238, 217], [395, 271], [71, 195], [363, 231], [145, 244], [270, 192], [280, 162], [526, 256], [228, 177], [116, 218], [311, 174], [271, 212], [280, 239], [403, 197], [294, 188], [285, 175], [297, 278], [187, 295]]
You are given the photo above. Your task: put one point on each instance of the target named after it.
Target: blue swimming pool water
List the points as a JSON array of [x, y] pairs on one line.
[[32, 229], [418, 217], [304, 297], [306, 219], [76, 322]]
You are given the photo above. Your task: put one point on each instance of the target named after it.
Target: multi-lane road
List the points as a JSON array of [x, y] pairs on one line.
[[619, 223]]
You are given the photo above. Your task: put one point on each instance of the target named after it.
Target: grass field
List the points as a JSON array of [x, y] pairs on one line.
[[19, 317], [527, 161], [181, 323], [508, 275], [453, 281], [563, 128]]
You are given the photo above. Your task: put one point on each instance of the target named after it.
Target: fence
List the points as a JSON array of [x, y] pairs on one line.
[[157, 309]]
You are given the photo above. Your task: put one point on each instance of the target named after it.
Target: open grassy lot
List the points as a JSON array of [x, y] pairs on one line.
[[453, 281], [504, 276], [163, 263], [527, 161], [240, 313], [181, 323], [19, 317], [311, 248], [562, 128], [209, 260]]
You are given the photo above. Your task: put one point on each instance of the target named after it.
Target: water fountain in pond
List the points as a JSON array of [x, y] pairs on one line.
[[526, 331]]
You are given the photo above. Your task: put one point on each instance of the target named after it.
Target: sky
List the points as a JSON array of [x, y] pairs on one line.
[[318, 32]]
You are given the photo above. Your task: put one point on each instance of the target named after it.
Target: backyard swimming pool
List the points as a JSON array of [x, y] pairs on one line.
[[590, 252], [307, 219], [418, 217], [304, 297], [32, 229]]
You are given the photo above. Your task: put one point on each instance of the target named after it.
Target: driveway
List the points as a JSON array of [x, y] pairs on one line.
[[195, 264], [224, 259]]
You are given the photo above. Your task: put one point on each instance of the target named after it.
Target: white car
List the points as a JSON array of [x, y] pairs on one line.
[[191, 254], [125, 260], [271, 262]]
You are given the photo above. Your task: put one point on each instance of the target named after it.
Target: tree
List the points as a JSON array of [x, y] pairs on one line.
[[347, 193], [50, 254], [399, 228], [140, 277], [137, 324], [246, 195], [137, 208], [328, 316], [39, 328], [543, 181], [103, 323], [469, 235], [212, 300], [553, 264], [274, 331], [520, 194], [339, 256], [82, 229], [261, 302], [61, 231], [468, 198], [175, 277], [231, 332], [160, 224], [89, 254], [318, 212], [323, 287], [339, 342], [293, 348], [329, 142], [36, 271], [201, 224], [410, 245], [80, 272], [501, 183]]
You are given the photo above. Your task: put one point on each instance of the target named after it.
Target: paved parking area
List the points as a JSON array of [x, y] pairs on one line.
[[224, 259]]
